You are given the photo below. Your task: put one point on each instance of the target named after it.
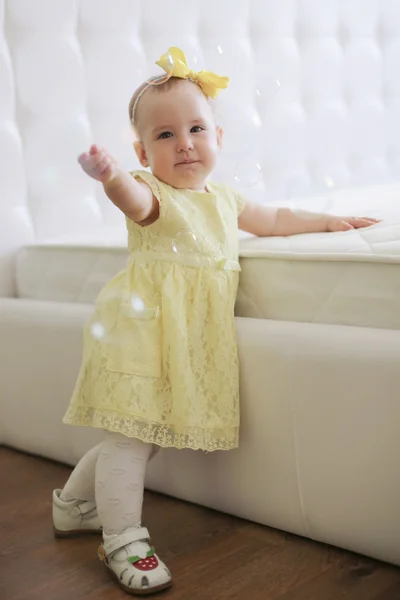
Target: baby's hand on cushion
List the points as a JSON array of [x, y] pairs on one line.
[[97, 163], [347, 223]]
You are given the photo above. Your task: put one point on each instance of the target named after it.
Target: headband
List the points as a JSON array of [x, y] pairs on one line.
[[174, 64]]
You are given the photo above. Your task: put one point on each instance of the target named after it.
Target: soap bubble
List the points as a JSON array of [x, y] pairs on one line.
[[163, 76], [248, 173], [256, 120], [137, 304], [184, 242], [97, 331], [270, 89], [327, 183]]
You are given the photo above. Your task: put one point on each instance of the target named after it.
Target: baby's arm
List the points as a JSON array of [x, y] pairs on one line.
[[133, 198], [264, 221]]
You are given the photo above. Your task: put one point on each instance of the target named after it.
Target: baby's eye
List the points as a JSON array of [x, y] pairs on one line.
[[164, 135], [197, 128]]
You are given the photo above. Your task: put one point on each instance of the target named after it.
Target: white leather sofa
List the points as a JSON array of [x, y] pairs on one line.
[[314, 100]]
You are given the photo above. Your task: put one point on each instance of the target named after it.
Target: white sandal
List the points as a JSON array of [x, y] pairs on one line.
[[74, 517], [134, 563]]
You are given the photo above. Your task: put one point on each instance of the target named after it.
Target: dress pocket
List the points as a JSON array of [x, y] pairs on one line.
[[134, 347]]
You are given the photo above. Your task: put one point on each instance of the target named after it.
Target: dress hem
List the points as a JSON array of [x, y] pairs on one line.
[[163, 440]]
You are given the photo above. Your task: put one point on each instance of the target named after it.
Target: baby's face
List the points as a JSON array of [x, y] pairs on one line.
[[179, 137]]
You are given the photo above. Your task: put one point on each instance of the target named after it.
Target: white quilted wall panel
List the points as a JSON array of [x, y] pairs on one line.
[[314, 98]]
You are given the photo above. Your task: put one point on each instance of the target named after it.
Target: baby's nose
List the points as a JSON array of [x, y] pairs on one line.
[[185, 143]]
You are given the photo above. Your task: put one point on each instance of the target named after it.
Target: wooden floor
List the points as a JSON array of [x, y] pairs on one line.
[[212, 556]]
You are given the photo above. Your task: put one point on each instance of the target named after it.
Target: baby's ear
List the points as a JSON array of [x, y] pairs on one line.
[[141, 153]]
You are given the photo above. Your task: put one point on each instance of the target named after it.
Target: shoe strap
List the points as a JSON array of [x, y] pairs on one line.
[[83, 508], [135, 534]]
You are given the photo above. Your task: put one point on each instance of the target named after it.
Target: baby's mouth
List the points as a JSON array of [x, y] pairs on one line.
[[187, 162]]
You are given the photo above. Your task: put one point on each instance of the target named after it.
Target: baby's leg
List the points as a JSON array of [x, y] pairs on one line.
[[74, 507], [80, 485], [120, 474]]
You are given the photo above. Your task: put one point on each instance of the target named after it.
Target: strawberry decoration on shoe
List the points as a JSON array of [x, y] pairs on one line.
[[148, 563]]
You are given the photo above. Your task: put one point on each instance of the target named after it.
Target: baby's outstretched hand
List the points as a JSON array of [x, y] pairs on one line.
[[98, 164], [347, 223]]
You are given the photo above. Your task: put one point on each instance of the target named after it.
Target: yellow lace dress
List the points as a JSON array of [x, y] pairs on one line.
[[160, 356]]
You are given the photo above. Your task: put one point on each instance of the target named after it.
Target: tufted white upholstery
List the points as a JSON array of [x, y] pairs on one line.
[[314, 98]]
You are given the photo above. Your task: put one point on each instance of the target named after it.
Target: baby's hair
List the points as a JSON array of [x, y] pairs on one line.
[[150, 83], [165, 86]]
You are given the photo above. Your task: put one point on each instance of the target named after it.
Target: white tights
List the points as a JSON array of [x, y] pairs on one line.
[[113, 474]]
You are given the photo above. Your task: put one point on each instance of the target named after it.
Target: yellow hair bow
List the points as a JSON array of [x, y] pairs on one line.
[[210, 83]]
